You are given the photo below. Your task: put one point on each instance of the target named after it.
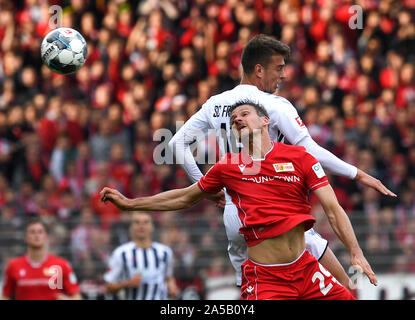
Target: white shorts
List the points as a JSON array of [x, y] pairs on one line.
[[237, 249]]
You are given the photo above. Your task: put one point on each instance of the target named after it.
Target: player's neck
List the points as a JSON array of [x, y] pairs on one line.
[[36, 255], [259, 146], [249, 80], [143, 243]]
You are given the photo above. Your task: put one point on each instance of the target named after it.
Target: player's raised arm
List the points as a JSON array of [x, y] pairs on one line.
[[179, 144], [170, 200], [341, 225], [339, 167], [295, 131]]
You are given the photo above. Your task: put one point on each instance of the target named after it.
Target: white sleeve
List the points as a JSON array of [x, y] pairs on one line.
[[115, 269], [328, 160], [179, 144], [285, 119]]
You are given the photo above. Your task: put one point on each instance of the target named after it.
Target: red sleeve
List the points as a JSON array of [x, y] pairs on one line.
[[211, 182], [9, 282], [315, 177], [70, 282]]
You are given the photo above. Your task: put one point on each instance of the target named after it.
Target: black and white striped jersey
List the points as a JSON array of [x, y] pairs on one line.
[[155, 264]]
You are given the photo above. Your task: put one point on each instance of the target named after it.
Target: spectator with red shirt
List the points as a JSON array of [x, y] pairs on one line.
[[121, 169], [49, 126], [102, 177]]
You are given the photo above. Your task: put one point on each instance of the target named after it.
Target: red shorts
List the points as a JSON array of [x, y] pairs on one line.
[[303, 279]]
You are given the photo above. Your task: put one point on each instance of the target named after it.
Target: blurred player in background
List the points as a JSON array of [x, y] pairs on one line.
[[263, 62], [39, 275], [143, 267], [269, 182]]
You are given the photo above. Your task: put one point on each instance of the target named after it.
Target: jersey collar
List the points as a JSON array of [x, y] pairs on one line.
[[34, 264], [246, 156], [248, 86]]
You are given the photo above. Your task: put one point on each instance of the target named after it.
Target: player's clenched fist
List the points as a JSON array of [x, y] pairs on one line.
[[115, 197]]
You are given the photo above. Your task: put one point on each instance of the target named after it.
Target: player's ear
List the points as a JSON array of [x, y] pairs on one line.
[[259, 70], [265, 120]]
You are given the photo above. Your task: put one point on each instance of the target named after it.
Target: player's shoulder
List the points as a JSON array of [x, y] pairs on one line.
[[54, 259], [298, 154], [232, 95], [278, 99], [276, 103], [292, 150], [290, 147], [123, 247], [215, 100], [161, 246], [17, 261]]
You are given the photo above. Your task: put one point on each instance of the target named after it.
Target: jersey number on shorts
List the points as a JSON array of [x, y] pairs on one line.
[[320, 276]]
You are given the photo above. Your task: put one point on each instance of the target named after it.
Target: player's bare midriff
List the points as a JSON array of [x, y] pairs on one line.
[[284, 248]]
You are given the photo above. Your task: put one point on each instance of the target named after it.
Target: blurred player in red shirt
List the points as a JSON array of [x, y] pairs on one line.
[[38, 275], [269, 182]]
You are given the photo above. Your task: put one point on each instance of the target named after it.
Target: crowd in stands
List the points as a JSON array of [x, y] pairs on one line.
[[153, 63]]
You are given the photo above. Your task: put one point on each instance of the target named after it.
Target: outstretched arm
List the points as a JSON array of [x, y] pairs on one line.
[[290, 125], [341, 225], [339, 167], [372, 182], [170, 200]]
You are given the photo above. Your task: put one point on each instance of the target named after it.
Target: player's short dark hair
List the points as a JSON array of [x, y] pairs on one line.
[[260, 110], [260, 49], [36, 220]]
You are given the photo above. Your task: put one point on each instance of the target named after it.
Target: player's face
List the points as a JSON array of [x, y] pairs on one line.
[[36, 236], [273, 74], [245, 121], [141, 226]]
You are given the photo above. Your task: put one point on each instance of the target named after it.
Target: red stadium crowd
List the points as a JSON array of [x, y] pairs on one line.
[[155, 62]]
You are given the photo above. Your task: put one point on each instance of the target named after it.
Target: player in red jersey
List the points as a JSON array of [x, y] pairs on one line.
[[39, 275], [269, 183]]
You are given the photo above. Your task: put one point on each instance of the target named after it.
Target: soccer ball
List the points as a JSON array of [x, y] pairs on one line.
[[63, 50]]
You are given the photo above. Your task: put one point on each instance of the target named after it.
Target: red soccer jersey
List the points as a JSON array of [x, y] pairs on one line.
[[42, 281], [271, 194]]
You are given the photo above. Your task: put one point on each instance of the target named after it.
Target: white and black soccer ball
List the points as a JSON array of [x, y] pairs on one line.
[[63, 50]]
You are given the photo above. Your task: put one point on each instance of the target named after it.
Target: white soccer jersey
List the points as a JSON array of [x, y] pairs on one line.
[[155, 264]]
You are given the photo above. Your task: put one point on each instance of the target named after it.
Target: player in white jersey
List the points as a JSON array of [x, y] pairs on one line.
[[144, 268], [263, 61]]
